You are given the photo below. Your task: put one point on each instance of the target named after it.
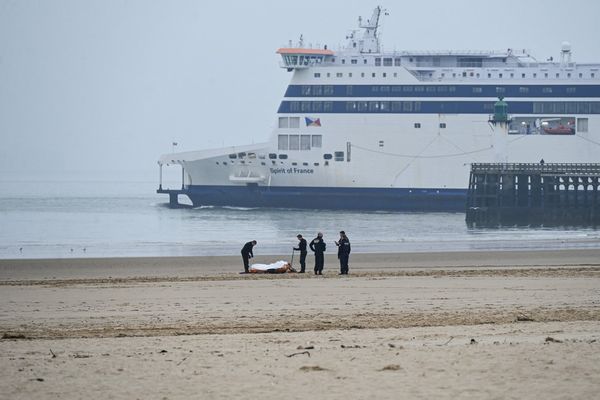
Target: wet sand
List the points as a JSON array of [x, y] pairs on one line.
[[442, 325]]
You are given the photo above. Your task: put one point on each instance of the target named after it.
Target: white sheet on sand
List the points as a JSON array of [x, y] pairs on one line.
[[266, 267]]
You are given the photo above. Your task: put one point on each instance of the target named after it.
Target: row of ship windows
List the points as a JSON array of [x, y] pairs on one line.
[[336, 156], [553, 107], [328, 90], [299, 142], [464, 74]]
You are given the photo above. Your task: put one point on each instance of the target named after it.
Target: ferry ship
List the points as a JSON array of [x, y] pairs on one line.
[[362, 128]]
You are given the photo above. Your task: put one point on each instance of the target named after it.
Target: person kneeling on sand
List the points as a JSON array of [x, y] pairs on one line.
[[279, 267]]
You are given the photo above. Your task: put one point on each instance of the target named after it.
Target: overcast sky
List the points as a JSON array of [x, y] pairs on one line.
[[107, 85]]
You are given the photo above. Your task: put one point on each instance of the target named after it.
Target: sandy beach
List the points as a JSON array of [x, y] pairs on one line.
[[416, 325]]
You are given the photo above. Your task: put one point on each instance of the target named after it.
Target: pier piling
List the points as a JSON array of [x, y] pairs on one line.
[[534, 194]]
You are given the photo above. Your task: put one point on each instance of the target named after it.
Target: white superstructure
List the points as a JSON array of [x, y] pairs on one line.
[[363, 128]]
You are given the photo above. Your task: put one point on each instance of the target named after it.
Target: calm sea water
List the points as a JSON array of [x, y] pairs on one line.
[[82, 218]]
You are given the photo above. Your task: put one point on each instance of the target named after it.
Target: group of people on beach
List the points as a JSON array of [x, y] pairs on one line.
[[318, 247]]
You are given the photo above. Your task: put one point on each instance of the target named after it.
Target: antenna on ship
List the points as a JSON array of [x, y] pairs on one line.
[[370, 42]]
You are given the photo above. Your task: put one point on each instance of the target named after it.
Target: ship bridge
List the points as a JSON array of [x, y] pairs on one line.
[[300, 58]]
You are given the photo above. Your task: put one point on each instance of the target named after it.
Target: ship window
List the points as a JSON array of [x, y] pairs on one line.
[[500, 90], [512, 75], [233, 156], [272, 156], [263, 163], [273, 162], [283, 156], [419, 89], [499, 75], [547, 90], [349, 74], [305, 106], [349, 90], [378, 62], [582, 124], [224, 162], [339, 75], [294, 122], [381, 143], [417, 125], [452, 89], [464, 74], [407, 88], [316, 141], [217, 163], [430, 89], [407, 106], [489, 75], [353, 61], [317, 106], [294, 106], [282, 142], [343, 61], [571, 90], [252, 156], [442, 125], [580, 75], [304, 142], [327, 156], [442, 89], [329, 75], [523, 90], [545, 75], [294, 164], [454, 75], [522, 75], [387, 62], [395, 74], [365, 61], [339, 156], [557, 75], [534, 75], [477, 90], [317, 74], [417, 106], [284, 122], [294, 142], [373, 75], [362, 74], [384, 74], [316, 164], [327, 106], [397, 61], [305, 164]]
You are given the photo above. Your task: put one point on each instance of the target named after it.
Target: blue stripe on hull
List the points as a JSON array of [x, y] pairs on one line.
[[329, 198]]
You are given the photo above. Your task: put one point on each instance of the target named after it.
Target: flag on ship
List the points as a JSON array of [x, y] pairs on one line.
[[313, 121]]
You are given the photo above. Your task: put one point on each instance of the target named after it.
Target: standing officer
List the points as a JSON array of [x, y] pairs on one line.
[[318, 246], [247, 254], [343, 252], [302, 248]]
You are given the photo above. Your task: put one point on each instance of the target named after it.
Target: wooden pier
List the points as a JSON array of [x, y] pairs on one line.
[[534, 194]]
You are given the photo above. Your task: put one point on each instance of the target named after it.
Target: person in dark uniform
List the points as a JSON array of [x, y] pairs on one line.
[[247, 254], [302, 248], [343, 252], [317, 245]]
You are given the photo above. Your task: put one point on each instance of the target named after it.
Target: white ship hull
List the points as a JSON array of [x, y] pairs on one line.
[[357, 133]]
